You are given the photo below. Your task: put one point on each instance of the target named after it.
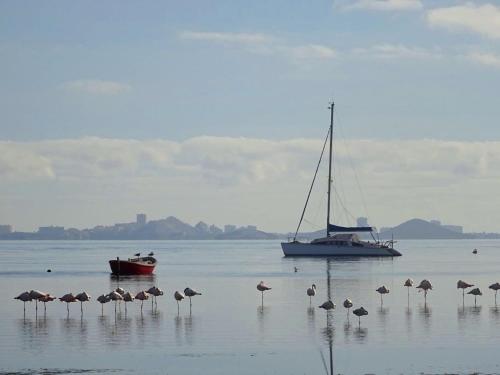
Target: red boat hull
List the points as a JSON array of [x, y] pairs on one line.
[[124, 267]]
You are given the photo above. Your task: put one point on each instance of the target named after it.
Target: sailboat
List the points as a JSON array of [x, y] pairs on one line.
[[339, 240]]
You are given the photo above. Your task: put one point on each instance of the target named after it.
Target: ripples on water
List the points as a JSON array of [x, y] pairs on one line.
[[228, 331]]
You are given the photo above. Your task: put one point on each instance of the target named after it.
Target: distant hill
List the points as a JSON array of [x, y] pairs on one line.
[[421, 229], [169, 228]]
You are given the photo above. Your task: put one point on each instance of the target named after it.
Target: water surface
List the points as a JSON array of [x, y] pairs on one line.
[[228, 331]]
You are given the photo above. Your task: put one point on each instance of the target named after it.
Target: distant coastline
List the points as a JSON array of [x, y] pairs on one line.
[[171, 228]]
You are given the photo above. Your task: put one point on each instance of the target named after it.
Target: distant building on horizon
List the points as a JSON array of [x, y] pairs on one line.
[[228, 228], [362, 222], [6, 229], [252, 227], [141, 219]]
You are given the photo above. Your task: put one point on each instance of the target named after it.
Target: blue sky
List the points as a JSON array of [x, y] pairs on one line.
[[181, 87], [175, 71]]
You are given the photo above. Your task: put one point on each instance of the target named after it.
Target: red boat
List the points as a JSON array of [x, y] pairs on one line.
[[133, 266]]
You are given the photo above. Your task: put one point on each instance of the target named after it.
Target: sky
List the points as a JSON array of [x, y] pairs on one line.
[[216, 111]]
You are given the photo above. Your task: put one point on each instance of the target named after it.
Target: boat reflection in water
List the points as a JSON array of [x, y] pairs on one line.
[[134, 283]]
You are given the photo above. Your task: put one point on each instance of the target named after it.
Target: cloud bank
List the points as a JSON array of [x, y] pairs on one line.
[[244, 180], [480, 19]]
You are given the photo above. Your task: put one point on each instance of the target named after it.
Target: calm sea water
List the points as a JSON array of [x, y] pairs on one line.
[[229, 332]]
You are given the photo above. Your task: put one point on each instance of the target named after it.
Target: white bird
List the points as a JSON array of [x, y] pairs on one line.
[[261, 287], [347, 304], [155, 292], [178, 297], [425, 285], [311, 292], [25, 297], [191, 293], [495, 287], [382, 290], [115, 296], [142, 296], [328, 305], [102, 299], [128, 297], [36, 295], [82, 297], [475, 292], [359, 313], [68, 298]]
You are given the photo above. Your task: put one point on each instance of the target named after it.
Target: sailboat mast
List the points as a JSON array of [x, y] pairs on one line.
[[329, 172]]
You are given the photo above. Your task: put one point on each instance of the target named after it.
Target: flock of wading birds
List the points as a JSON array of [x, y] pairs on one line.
[[120, 294]]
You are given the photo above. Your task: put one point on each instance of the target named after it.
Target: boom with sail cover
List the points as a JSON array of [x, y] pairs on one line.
[[339, 229]]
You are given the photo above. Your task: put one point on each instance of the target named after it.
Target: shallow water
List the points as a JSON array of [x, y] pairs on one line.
[[228, 331]]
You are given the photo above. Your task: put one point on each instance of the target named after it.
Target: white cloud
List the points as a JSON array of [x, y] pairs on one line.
[[98, 87], [312, 51], [481, 19], [222, 179], [397, 51], [264, 44], [384, 5], [488, 59], [227, 37]]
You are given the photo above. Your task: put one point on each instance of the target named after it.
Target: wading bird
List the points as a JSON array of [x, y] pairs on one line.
[[425, 285], [359, 313], [36, 295], [102, 299], [25, 297], [311, 292], [408, 284], [142, 296], [495, 287], [463, 285], [68, 298], [347, 304], [382, 290], [155, 292], [115, 296], [45, 299], [261, 287], [328, 305], [191, 293], [178, 297], [475, 292], [128, 297], [82, 297]]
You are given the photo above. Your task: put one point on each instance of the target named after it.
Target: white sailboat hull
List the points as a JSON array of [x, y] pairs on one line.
[[321, 249]]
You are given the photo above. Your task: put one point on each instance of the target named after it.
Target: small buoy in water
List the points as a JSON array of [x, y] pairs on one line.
[[474, 251], [295, 269], [49, 270]]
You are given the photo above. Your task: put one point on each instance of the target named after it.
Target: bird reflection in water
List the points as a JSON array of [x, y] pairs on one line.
[[382, 313], [34, 331], [262, 311], [408, 316], [425, 313], [189, 328], [178, 329], [311, 318], [495, 312], [463, 312]]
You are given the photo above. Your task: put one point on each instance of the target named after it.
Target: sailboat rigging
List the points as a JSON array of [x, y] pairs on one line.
[[344, 241]]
